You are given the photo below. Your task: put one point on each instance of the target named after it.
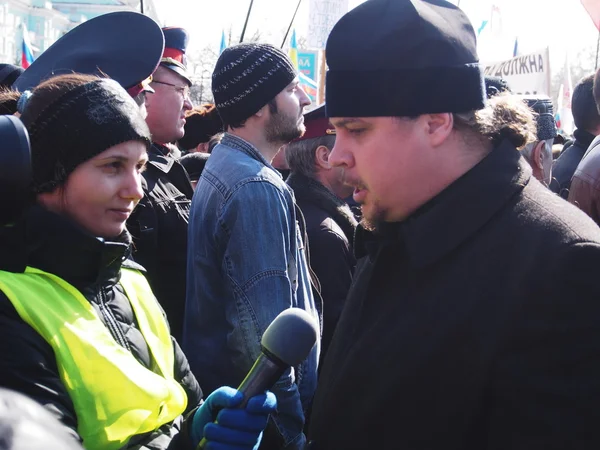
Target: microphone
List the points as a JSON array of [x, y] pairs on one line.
[[286, 342]]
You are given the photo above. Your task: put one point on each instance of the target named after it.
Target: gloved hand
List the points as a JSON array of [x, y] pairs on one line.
[[234, 429]]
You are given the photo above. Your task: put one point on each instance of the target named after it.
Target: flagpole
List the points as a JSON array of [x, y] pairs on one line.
[[291, 23], [322, 70], [142, 6], [597, 49], [246, 21]]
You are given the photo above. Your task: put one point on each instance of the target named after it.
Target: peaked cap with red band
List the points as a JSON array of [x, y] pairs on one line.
[[129, 54], [317, 124], [174, 58]]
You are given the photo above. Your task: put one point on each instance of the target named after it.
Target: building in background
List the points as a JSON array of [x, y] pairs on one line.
[[46, 21]]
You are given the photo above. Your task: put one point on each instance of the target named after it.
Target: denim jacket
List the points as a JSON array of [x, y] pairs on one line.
[[246, 264]]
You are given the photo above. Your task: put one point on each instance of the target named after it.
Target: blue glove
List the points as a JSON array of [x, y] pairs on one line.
[[237, 429]]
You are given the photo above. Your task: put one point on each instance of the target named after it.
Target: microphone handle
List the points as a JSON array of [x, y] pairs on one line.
[[264, 373], [262, 376]]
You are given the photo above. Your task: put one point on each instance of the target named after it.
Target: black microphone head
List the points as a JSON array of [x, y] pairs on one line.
[[291, 336]]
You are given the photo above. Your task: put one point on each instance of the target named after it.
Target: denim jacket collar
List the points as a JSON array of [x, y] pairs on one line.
[[238, 143]]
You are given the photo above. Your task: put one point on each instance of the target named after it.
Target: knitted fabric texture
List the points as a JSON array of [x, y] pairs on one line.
[[247, 77], [78, 126]]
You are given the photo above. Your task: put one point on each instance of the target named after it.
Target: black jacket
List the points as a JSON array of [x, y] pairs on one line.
[[564, 167], [27, 363], [159, 229], [474, 324], [330, 227]]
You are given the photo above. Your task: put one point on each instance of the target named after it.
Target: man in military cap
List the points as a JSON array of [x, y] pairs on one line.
[[473, 321], [159, 223], [330, 224]]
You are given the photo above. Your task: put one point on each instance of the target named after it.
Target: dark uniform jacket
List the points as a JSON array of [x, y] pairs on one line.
[[474, 324], [159, 229], [330, 227], [564, 167], [27, 361], [585, 184]]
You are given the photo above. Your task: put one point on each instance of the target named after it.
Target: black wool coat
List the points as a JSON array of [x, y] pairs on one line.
[[330, 226], [159, 229], [473, 325]]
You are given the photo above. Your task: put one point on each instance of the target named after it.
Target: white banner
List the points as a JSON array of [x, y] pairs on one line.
[[525, 75], [322, 16]]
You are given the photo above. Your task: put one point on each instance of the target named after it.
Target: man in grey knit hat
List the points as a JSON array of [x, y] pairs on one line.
[[246, 254]]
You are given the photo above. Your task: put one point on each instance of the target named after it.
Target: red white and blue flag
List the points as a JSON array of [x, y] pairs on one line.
[[26, 52]]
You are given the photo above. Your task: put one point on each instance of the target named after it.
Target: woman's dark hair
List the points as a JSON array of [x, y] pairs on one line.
[[8, 101]]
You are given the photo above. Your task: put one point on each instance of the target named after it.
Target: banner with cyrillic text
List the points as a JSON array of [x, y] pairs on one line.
[[526, 74]]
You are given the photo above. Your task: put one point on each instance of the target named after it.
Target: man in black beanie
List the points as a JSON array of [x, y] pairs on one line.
[[246, 257], [473, 321], [539, 153]]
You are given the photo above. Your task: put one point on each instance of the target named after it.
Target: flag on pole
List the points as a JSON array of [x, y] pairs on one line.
[[564, 116], [593, 9], [309, 86], [293, 53], [26, 52], [223, 43], [482, 26]]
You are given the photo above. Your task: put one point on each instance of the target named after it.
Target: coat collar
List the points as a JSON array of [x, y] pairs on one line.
[[310, 190], [450, 218], [57, 245], [159, 157], [583, 138], [236, 142]]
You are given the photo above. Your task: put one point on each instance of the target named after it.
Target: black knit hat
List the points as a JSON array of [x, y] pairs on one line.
[[77, 126], [405, 58], [544, 118], [247, 77]]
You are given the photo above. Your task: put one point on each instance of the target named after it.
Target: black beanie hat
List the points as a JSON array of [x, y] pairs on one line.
[[247, 77], [544, 118], [77, 126], [405, 58]]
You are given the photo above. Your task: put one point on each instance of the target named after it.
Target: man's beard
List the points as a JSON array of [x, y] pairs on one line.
[[283, 129], [374, 221]]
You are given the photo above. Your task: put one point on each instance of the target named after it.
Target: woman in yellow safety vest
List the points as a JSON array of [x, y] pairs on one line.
[[80, 330]]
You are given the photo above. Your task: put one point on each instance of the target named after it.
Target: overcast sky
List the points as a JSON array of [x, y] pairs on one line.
[[560, 24]]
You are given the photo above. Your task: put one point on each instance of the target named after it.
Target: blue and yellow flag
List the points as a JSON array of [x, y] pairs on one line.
[[294, 49]]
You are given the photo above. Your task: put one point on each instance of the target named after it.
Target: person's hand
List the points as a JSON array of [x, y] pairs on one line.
[[233, 429]]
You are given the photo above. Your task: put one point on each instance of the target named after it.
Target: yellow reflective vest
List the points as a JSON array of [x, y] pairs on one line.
[[115, 396]]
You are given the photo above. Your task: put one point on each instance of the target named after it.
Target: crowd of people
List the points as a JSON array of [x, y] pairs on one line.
[[420, 226]]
